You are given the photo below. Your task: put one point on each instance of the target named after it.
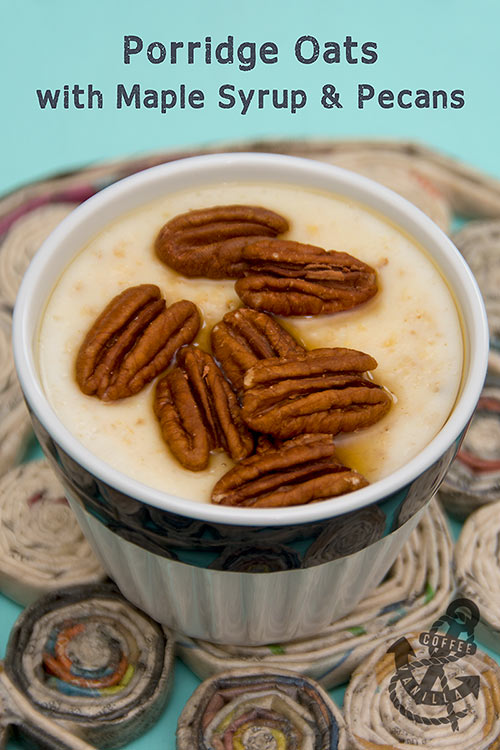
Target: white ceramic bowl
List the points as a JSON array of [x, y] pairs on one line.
[[158, 547]]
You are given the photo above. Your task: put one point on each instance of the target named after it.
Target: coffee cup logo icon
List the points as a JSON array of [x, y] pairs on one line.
[[428, 682]]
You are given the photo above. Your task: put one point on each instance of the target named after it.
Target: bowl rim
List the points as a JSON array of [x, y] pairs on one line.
[[358, 187]]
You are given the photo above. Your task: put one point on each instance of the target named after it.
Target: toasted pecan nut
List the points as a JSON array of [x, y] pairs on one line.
[[267, 443], [318, 391], [181, 421], [198, 411], [209, 242], [243, 337], [291, 278], [302, 470], [132, 341]]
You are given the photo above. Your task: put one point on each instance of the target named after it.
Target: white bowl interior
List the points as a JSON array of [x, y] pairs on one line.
[[89, 218]]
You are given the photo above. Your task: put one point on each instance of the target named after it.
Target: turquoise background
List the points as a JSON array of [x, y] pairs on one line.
[[444, 44], [432, 44]]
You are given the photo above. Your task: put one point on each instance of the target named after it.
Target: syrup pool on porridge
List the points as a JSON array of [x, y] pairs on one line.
[[411, 327]]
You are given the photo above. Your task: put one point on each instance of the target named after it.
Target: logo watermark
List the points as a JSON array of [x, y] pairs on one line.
[[434, 686]]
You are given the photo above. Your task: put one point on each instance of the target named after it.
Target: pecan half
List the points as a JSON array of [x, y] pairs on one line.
[[209, 242], [302, 470], [291, 278], [132, 341], [318, 391], [198, 411], [243, 337]]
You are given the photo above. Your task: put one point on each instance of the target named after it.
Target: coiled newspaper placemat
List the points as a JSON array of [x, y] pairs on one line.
[[15, 424], [407, 694], [42, 548], [477, 566], [18, 714], [479, 243], [21, 242], [473, 479], [92, 662], [417, 589], [395, 173], [467, 191], [260, 709]]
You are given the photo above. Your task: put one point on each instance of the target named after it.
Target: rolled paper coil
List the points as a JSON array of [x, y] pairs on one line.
[[15, 424], [93, 663], [8, 378], [494, 364], [477, 568], [415, 591], [473, 478], [21, 242], [260, 708], [42, 548], [479, 243], [469, 192], [18, 717], [15, 435], [406, 694], [397, 174]]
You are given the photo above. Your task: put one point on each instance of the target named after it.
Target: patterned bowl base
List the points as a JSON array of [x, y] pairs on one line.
[[416, 590]]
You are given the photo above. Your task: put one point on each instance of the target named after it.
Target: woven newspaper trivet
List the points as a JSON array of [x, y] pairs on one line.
[[21, 242], [477, 566], [260, 709], [416, 590], [473, 479], [441, 178], [479, 243], [41, 546], [15, 424], [93, 663], [19, 717], [409, 693], [469, 192], [395, 173]]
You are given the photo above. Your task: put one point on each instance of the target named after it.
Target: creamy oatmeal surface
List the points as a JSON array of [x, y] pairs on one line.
[[411, 327]]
